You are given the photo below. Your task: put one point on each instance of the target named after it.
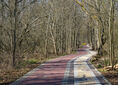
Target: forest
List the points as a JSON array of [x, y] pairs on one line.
[[39, 29]]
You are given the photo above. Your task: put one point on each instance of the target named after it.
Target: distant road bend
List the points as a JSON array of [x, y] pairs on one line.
[[72, 69]]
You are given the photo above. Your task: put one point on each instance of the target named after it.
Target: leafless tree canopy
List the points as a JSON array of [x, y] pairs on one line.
[[57, 27]]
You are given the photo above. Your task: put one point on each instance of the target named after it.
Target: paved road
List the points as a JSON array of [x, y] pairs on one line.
[[66, 70]]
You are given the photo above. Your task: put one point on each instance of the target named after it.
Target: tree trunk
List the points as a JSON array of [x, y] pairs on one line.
[[111, 33]]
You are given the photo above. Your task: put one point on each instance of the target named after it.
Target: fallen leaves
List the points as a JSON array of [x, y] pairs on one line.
[[6, 77]]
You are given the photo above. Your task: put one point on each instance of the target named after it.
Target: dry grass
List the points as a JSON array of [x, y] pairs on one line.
[[110, 75], [8, 75]]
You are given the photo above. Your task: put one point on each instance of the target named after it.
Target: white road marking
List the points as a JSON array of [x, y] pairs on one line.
[[66, 74]]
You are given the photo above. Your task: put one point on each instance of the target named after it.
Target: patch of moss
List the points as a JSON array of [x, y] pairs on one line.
[[32, 61]]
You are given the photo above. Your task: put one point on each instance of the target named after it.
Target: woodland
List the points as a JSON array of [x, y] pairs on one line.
[[38, 29]]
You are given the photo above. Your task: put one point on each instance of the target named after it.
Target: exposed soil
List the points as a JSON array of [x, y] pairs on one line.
[[111, 76], [8, 76]]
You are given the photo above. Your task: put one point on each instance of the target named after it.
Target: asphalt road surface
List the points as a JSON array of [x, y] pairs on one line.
[[72, 69]]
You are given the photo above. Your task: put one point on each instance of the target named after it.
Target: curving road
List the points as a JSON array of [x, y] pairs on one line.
[[72, 69]]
